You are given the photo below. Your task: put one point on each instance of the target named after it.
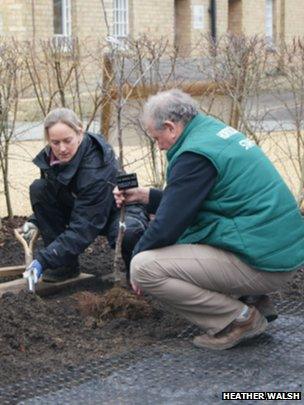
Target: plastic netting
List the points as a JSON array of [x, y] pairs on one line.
[[175, 372]]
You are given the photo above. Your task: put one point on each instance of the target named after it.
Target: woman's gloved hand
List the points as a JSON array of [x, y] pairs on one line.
[[32, 273], [28, 229]]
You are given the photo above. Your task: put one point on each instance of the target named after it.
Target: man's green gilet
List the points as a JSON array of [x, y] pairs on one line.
[[250, 210]]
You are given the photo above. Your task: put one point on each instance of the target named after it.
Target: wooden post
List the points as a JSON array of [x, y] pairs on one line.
[[282, 36], [12, 270], [42, 288], [282, 20], [33, 22], [282, 33], [107, 78]]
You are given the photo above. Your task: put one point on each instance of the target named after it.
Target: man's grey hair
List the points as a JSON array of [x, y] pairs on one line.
[[64, 115], [172, 105]]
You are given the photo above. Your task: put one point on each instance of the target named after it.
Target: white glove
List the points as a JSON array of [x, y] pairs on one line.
[[28, 230], [32, 273]]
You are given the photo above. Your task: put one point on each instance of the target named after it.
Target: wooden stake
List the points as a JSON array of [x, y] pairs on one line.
[[42, 288], [107, 78], [12, 270]]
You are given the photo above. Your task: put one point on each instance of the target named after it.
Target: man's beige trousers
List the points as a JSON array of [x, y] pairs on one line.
[[201, 282]]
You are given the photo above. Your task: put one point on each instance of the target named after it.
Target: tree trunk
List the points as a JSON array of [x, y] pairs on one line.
[[6, 182], [117, 255]]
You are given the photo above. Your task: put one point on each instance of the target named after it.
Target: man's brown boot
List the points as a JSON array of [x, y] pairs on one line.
[[234, 333]]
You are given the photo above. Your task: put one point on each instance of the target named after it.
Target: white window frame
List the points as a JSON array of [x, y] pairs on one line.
[[120, 26], [269, 16], [198, 16], [64, 39]]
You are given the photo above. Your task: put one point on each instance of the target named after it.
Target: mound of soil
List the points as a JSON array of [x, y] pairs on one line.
[[40, 336], [117, 302]]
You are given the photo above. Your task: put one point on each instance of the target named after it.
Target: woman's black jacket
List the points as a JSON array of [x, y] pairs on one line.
[[88, 180]]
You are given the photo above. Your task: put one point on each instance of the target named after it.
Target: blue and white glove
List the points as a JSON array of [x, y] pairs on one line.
[[32, 273]]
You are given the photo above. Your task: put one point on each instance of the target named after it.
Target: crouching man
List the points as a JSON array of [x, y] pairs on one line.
[[226, 225], [73, 201]]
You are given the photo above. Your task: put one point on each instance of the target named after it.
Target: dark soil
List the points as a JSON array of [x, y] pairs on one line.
[[44, 335]]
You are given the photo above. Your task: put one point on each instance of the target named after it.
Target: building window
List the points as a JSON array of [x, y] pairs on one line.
[[62, 25], [269, 11], [198, 17], [120, 18], [62, 18]]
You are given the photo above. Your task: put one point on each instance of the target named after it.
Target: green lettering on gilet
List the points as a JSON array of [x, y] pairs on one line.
[[250, 211]]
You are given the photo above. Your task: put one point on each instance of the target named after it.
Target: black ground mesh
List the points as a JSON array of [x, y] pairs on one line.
[[175, 372]]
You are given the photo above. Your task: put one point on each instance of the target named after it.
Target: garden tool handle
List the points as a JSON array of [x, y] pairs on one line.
[[28, 255], [28, 247]]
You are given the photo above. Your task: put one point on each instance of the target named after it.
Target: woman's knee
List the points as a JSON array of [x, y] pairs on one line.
[[37, 190], [131, 237]]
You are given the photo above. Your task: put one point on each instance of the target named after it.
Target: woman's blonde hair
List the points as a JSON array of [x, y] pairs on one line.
[[64, 115]]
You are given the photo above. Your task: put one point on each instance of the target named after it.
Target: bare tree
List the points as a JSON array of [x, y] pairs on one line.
[[117, 79], [126, 79], [10, 87], [51, 67], [155, 68], [239, 68], [68, 74]]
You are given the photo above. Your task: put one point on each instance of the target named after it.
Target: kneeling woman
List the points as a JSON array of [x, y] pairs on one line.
[[73, 201]]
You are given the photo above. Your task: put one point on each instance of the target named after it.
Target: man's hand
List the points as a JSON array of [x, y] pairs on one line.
[[130, 196], [136, 288], [28, 229], [32, 273]]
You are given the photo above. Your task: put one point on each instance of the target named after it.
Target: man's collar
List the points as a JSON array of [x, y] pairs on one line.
[[188, 128]]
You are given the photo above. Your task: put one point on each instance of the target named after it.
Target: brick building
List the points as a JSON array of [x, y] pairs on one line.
[[181, 21]]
